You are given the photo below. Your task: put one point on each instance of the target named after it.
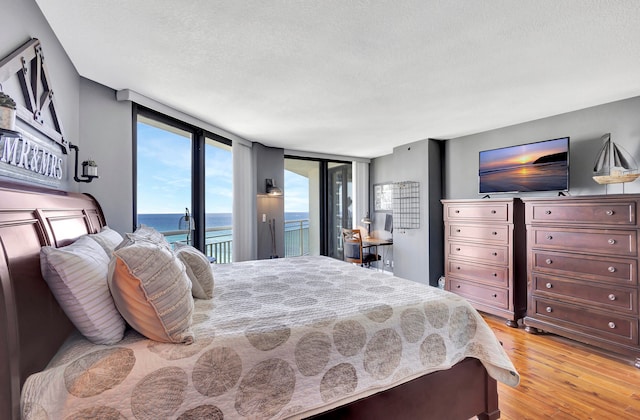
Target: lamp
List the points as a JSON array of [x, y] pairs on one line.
[[89, 168], [367, 221], [271, 188]]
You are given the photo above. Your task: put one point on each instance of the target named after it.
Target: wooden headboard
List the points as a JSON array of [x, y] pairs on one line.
[[32, 325]]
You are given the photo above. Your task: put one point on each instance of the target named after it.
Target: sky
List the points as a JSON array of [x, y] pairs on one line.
[[164, 174]]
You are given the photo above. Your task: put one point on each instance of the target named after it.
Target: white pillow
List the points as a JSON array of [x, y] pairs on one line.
[[148, 233], [198, 268], [151, 290], [77, 277], [107, 238]]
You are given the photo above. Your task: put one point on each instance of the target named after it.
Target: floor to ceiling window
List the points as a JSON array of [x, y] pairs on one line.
[[183, 183], [322, 191]]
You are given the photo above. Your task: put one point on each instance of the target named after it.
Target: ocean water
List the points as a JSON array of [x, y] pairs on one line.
[[171, 221]]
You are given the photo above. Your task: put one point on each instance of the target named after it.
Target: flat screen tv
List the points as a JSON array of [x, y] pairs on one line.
[[539, 166]]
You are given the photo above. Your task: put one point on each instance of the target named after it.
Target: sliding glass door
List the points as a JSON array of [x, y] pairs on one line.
[[164, 178], [183, 183], [340, 205], [318, 204]]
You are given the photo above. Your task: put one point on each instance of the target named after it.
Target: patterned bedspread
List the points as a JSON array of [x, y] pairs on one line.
[[281, 338]]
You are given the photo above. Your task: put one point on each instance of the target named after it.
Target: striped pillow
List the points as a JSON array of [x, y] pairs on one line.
[[107, 238], [151, 290], [198, 269], [77, 277]]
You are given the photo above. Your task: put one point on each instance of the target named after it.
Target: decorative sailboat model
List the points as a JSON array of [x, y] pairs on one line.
[[613, 164]]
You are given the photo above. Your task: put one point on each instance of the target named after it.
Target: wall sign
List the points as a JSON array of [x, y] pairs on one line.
[[28, 158], [37, 151]]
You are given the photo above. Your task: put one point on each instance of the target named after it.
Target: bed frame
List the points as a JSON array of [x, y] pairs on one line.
[[32, 325]]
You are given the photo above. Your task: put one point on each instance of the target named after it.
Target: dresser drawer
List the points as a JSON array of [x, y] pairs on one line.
[[498, 212], [607, 297], [493, 254], [488, 233], [613, 242], [492, 275], [610, 326], [598, 213], [615, 270], [479, 293]]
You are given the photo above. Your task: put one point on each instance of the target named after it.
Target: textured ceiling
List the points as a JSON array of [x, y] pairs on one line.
[[357, 77]]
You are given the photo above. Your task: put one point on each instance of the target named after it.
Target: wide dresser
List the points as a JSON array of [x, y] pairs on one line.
[[485, 254], [582, 263]]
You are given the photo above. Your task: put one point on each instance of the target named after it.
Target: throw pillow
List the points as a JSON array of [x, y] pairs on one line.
[[77, 277], [198, 269]]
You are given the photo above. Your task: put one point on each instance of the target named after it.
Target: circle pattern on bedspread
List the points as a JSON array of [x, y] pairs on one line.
[[437, 314], [382, 354], [159, 394], [412, 324], [433, 350], [208, 412], [217, 371], [265, 389], [462, 326], [312, 353], [349, 337], [378, 313], [98, 371], [339, 381], [266, 336], [97, 413]]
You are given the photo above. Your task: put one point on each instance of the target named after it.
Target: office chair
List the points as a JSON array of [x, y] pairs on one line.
[[353, 250]]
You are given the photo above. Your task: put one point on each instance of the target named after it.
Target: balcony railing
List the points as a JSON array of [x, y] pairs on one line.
[[220, 245]]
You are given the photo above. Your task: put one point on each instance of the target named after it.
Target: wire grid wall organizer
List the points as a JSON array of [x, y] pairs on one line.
[[406, 205]]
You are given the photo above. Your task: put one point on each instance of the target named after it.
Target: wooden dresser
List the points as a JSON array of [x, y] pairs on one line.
[[583, 269], [485, 255]]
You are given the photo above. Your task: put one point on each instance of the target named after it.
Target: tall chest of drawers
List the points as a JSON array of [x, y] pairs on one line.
[[583, 269], [485, 255]]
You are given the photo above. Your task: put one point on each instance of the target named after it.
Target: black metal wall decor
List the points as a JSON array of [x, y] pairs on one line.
[[38, 108]]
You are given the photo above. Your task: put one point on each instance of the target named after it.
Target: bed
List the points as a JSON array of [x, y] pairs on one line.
[[289, 338]]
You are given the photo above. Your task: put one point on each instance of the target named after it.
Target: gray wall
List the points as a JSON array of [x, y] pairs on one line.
[[585, 127], [269, 163], [417, 253], [106, 126], [21, 21]]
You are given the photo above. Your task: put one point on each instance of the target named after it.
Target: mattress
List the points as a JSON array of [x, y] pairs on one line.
[[281, 338]]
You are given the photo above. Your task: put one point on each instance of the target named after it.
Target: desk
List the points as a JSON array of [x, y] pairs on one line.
[[375, 243]]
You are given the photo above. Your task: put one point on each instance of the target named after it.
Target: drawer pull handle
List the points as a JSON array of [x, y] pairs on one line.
[[612, 297], [457, 211], [547, 212], [612, 269], [548, 261], [457, 268], [549, 285], [458, 230], [549, 237], [457, 249], [494, 233], [493, 212], [609, 212], [549, 309], [495, 295], [495, 254], [458, 286], [611, 241], [612, 325], [495, 274]]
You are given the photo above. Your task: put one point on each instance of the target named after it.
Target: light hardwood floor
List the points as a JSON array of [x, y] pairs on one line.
[[562, 379]]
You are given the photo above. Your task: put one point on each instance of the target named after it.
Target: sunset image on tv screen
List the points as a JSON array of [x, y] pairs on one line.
[[541, 166]]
